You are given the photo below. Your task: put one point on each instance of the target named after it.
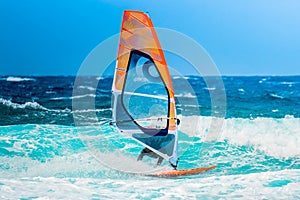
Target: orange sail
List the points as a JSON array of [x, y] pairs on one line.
[[143, 96]]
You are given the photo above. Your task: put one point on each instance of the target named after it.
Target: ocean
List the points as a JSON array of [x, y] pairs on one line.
[[51, 149]]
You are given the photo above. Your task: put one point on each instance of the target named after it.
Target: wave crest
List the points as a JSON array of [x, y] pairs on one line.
[[276, 137], [18, 79], [27, 105]]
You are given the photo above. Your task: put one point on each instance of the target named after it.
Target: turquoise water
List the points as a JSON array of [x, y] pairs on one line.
[[59, 162], [43, 155]]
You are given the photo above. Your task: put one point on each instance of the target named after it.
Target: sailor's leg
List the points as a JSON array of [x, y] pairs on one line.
[[140, 156], [143, 152], [160, 159]]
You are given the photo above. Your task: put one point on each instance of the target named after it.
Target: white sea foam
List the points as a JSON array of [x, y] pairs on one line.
[[87, 88], [187, 95], [288, 83], [18, 79], [276, 96], [74, 97], [209, 88], [29, 105], [240, 186], [275, 137], [91, 110], [50, 92], [262, 80], [177, 77], [32, 105], [191, 77], [100, 78]]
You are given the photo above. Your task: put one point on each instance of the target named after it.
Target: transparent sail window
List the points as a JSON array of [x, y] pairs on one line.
[[145, 96]]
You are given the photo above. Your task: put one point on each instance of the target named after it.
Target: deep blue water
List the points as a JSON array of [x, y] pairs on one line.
[[48, 100], [45, 154]]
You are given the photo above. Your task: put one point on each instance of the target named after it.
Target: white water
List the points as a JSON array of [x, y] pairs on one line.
[[80, 174], [32, 105], [275, 137], [246, 186], [18, 79]]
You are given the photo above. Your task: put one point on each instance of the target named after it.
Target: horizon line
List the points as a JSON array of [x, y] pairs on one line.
[[222, 75]]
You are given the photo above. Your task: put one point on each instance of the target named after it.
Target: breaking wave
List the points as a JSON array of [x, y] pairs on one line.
[[27, 105], [275, 137], [18, 79]]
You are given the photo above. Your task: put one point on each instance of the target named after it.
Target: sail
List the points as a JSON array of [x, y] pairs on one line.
[[143, 96]]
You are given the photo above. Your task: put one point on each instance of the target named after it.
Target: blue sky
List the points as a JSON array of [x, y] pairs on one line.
[[52, 37]]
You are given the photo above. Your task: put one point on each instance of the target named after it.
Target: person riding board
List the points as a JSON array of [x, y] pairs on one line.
[[152, 154], [146, 151]]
